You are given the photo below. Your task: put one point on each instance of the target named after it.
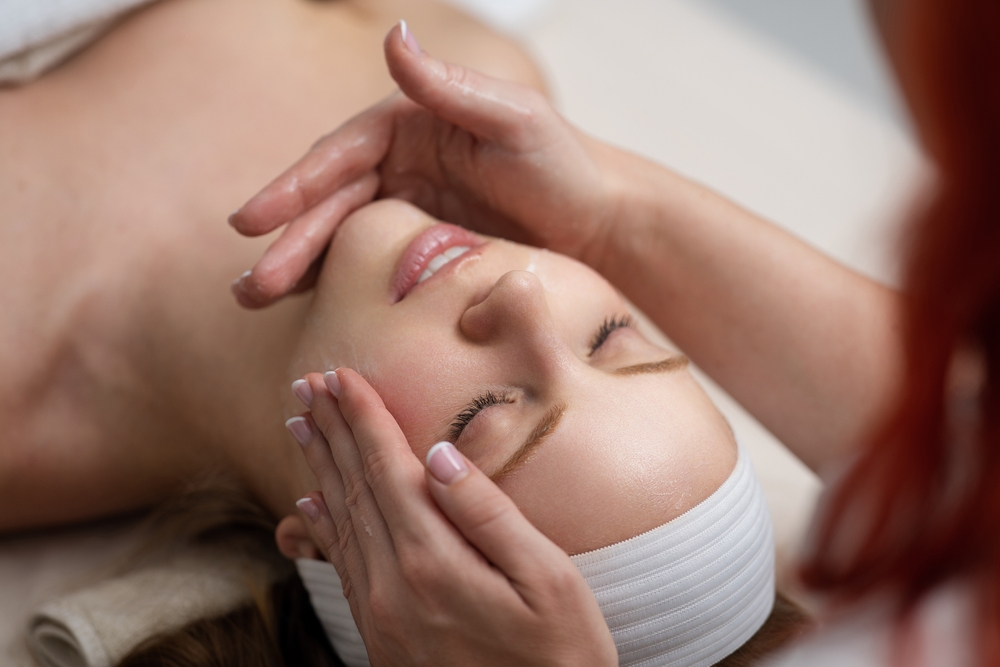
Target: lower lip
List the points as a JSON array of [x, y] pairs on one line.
[[431, 242]]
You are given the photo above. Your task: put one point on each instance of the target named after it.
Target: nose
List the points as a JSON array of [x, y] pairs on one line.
[[515, 316]]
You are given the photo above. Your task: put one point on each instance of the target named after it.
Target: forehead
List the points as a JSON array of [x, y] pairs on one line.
[[630, 454]]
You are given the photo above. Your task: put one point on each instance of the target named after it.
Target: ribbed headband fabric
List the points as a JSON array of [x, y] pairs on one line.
[[692, 591], [685, 594]]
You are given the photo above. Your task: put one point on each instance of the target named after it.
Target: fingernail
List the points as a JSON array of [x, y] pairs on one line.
[[309, 508], [238, 283], [411, 42], [300, 429], [332, 382], [232, 216], [446, 464], [303, 391]]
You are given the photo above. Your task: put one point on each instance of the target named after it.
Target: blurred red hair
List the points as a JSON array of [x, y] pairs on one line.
[[922, 503]]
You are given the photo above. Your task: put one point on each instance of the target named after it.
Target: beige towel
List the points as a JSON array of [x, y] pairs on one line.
[[98, 626]]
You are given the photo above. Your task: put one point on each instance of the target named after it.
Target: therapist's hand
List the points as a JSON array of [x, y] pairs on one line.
[[440, 567], [475, 151]]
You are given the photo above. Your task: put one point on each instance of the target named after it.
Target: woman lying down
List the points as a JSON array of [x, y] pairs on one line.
[[528, 362]]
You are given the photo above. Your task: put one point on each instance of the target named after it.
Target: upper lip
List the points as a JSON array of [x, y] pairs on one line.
[[425, 247]]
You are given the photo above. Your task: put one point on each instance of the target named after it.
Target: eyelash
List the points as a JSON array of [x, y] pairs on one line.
[[491, 398], [465, 416], [608, 327]]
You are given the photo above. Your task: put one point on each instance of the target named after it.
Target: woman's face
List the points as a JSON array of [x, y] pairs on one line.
[[523, 359]]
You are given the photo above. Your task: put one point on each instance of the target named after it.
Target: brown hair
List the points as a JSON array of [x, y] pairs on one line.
[[922, 503], [283, 633], [280, 628]]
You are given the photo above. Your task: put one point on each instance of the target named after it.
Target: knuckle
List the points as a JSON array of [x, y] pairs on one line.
[[456, 76], [377, 466], [483, 515], [355, 486], [419, 569], [296, 190], [382, 607], [558, 584], [562, 580], [345, 533]]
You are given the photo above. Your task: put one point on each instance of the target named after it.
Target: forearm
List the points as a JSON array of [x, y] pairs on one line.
[[809, 347]]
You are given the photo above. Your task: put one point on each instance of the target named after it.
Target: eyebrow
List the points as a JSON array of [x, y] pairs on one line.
[[550, 420], [670, 364], [546, 425]]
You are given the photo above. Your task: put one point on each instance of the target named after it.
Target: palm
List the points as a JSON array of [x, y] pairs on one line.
[[492, 188]]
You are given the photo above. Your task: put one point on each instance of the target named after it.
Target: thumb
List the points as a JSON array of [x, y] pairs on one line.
[[489, 108], [492, 523]]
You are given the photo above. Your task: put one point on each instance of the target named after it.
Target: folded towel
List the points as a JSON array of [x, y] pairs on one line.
[[38, 34], [98, 626]]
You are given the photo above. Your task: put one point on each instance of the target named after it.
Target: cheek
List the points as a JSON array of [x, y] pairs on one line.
[[421, 382]]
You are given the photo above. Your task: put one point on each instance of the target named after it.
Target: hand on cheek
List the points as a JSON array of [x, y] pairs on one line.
[[475, 583]]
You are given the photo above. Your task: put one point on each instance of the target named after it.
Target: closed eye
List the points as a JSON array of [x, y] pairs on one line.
[[608, 327], [490, 398], [478, 405]]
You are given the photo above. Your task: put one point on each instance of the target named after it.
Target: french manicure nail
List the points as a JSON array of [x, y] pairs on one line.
[[332, 382], [446, 464], [300, 429], [238, 283], [309, 508], [303, 392], [411, 42]]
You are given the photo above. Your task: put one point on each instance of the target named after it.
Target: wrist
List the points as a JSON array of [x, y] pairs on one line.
[[638, 197]]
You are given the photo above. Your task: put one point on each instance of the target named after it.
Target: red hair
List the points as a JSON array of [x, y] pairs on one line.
[[922, 503]]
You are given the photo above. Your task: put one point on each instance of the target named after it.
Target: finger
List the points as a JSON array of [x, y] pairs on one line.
[[342, 453], [288, 260], [429, 548], [348, 563], [489, 108], [326, 511], [491, 521], [394, 473], [336, 160], [308, 281]]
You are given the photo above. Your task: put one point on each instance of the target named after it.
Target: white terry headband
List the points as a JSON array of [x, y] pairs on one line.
[[685, 594]]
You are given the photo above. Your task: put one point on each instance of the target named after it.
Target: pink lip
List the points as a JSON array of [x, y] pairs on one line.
[[428, 244]]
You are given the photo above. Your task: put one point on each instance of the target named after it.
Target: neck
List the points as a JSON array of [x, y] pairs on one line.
[[232, 391]]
